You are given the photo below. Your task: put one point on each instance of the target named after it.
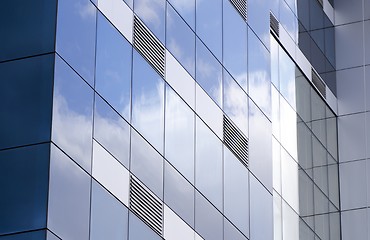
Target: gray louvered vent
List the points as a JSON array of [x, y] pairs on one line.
[[235, 140], [241, 7], [146, 206], [149, 46], [321, 2], [319, 84], [274, 24]]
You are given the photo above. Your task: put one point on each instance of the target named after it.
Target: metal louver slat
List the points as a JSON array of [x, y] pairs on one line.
[[319, 84], [235, 140], [149, 46], [274, 25], [241, 7], [146, 206]]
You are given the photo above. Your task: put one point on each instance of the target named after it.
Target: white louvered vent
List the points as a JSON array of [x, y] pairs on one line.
[[274, 24], [319, 84], [241, 7], [235, 140], [146, 206], [149, 46]]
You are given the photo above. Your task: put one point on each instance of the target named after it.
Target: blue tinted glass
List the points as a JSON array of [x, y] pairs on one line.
[[179, 194], [259, 19], [235, 103], [287, 77], [146, 164], [288, 20], [24, 174], [180, 40], [109, 217], [129, 3], [36, 235], [186, 9], [111, 131], [26, 93], [209, 25], [69, 197], [209, 73], [179, 134], [231, 232], [148, 102], [316, 15], [28, 28], [72, 114], [138, 230], [76, 36], [235, 44], [259, 73], [208, 164], [113, 67], [152, 13]]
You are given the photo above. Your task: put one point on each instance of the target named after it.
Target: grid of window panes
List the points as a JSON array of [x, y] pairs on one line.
[[306, 186]]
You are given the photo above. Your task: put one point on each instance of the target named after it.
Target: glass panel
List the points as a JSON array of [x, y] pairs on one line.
[[111, 131], [288, 20], [76, 32], [290, 223], [179, 194], [180, 40], [236, 192], [24, 187], [231, 232], [278, 231], [288, 126], [209, 73], [138, 230], [259, 19], [17, 19], [276, 165], [152, 13], [72, 114], [148, 102], [69, 198], [179, 135], [146, 164], [306, 200], [274, 54], [259, 73], [290, 177], [186, 9], [275, 112], [208, 168], [208, 221], [113, 67], [209, 25], [303, 90], [287, 77], [235, 39], [26, 93], [109, 218], [235, 103], [260, 146], [35, 235]]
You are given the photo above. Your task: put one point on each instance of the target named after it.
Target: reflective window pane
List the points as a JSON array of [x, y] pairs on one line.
[[258, 19], [180, 40], [148, 102], [72, 114], [24, 188], [111, 131], [179, 134], [76, 32], [209, 73], [138, 230], [235, 32], [26, 93], [69, 198], [146, 164], [209, 25], [287, 77], [34, 235], [17, 18], [113, 67], [186, 9], [109, 218], [208, 174]]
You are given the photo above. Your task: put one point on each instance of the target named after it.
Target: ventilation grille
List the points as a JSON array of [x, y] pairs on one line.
[[148, 45], [319, 84], [241, 7], [235, 140], [321, 2], [274, 24], [146, 206]]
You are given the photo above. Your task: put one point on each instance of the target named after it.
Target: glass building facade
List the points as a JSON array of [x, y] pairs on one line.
[[184, 119]]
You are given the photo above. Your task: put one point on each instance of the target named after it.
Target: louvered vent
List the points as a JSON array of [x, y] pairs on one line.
[[241, 7], [319, 84], [149, 46], [274, 24], [321, 2], [146, 206], [235, 140]]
